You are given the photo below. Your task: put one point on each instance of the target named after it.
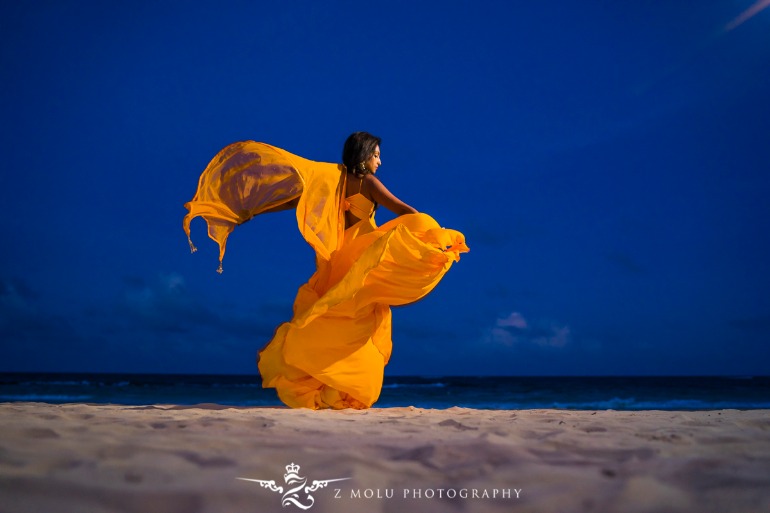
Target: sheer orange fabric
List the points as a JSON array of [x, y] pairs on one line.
[[333, 352]]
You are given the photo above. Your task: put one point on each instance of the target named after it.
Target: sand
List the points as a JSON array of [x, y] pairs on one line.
[[188, 459]]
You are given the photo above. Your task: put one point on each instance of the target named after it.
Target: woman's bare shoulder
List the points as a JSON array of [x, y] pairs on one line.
[[373, 183], [377, 192]]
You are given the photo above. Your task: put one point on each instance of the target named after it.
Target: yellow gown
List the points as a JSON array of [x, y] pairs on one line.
[[333, 352]]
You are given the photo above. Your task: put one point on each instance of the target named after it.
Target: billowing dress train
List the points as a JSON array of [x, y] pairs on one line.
[[333, 352]]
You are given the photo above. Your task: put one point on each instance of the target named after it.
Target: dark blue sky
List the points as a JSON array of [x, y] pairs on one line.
[[608, 162]]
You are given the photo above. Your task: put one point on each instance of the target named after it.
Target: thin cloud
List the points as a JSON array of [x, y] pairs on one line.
[[153, 325], [164, 305], [159, 323], [515, 320], [746, 15], [22, 318], [516, 330]]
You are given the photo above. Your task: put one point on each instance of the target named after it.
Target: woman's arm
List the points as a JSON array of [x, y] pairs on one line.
[[384, 197]]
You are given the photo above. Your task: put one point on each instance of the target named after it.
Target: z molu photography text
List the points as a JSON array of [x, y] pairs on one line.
[[429, 493], [297, 491]]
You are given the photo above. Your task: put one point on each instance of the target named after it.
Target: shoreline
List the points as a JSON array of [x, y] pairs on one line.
[[200, 458]]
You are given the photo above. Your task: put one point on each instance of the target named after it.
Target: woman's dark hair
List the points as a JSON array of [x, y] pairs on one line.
[[358, 148]]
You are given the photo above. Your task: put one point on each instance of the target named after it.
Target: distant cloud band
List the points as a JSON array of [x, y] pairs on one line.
[[752, 11]]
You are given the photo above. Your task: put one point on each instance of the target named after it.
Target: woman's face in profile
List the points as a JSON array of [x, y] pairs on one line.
[[373, 162]]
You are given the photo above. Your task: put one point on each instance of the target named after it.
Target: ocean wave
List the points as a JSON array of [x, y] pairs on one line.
[[494, 393], [45, 398], [618, 404], [236, 385], [414, 385], [80, 383]]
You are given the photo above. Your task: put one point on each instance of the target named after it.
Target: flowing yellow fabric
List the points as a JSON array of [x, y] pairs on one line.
[[333, 352]]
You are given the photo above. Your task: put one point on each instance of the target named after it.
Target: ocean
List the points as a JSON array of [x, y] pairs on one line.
[[483, 392]]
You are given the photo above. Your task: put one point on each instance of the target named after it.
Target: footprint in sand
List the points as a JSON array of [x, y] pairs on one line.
[[133, 477], [39, 433], [204, 462], [455, 424], [763, 424], [594, 429], [164, 425], [662, 437], [263, 421], [116, 452]]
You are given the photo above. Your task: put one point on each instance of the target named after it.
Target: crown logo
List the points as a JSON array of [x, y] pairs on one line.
[[296, 486]]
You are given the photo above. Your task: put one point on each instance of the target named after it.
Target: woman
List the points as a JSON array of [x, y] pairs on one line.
[[361, 158], [333, 352]]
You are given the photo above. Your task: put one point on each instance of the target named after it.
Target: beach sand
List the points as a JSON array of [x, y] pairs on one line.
[[187, 459]]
